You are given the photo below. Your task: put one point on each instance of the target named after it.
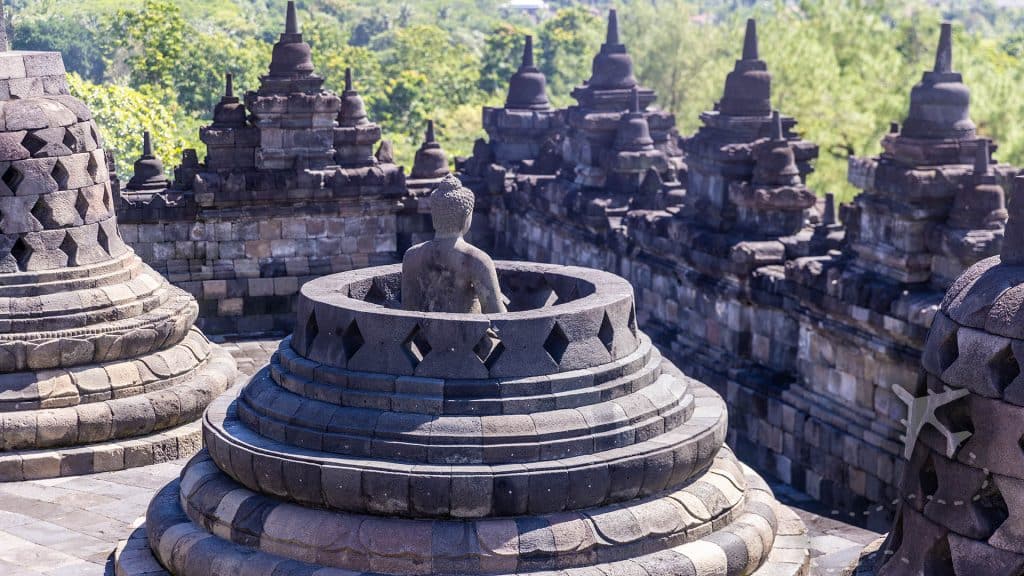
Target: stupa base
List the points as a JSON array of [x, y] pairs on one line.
[[765, 538], [169, 440]]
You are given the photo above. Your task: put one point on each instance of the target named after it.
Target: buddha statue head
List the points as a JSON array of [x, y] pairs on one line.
[[448, 274]]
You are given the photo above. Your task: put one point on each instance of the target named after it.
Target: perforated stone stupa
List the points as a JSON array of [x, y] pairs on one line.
[[963, 489], [100, 365], [547, 439]]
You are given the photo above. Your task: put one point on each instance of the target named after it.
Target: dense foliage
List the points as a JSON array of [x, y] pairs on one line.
[[843, 68]]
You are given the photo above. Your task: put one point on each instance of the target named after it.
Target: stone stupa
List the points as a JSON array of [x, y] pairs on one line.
[[958, 514], [100, 365], [546, 437]]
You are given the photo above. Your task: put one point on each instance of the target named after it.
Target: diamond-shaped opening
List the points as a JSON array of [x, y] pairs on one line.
[[70, 247], [416, 345], [556, 343], [312, 331], [82, 205], [489, 349], [93, 167], [632, 320], [948, 350], [352, 340], [566, 292], [495, 355], [956, 416], [108, 201], [928, 478], [1004, 367], [60, 175], [991, 502], [12, 178], [95, 135], [375, 295], [21, 252], [42, 212], [606, 333], [70, 141], [102, 239], [34, 144]]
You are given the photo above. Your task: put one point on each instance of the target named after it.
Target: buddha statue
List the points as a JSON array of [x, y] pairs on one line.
[[448, 274]]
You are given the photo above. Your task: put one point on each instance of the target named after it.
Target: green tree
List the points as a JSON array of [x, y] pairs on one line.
[[123, 114], [426, 74], [501, 57], [568, 43]]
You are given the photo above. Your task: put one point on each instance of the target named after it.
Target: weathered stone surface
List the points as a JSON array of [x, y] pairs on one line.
[[100, 351]]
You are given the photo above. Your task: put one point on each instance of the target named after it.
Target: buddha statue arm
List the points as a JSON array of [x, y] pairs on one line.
[[489, 292], [412, 298]]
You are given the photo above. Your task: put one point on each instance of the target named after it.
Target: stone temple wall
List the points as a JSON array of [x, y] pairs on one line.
[[808, 392], [245, 267]]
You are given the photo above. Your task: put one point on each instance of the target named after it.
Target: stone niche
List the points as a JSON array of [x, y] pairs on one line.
[[550, 438]]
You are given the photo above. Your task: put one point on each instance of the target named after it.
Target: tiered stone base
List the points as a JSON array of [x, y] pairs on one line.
[[167, 419], [101, 369], [724, 520], [552, 440], [228, 529]]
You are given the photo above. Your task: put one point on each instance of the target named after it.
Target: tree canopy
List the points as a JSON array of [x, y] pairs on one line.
[[842, 68]]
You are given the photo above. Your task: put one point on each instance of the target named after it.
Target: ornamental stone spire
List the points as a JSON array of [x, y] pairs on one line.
[[612, 67], [748, 87], [229, 112], [294, 131], [431, 161], [940, 103], [924, 185], [292, 56], [527, 88], [149, 170]]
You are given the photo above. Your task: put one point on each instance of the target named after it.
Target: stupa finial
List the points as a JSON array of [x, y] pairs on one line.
[[229, 85], [430, 132], [634, 104], [750, 41], [291, 25], [147, 145], [348, 79], [613, 27], [776, 125], [528, 52], [944, 54], [829, 217]]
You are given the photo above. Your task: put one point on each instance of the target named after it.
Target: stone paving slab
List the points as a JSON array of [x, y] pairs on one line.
[[70, 526]]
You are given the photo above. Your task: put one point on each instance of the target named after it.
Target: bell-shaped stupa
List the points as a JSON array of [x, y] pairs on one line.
[[101, 367]]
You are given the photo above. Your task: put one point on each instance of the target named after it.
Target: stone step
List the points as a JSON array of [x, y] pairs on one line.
[[228, 530], [411, 437], [355, 484], [124, 416]]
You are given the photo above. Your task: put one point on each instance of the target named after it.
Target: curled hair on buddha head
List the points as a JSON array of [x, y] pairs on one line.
[[451, 207]]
